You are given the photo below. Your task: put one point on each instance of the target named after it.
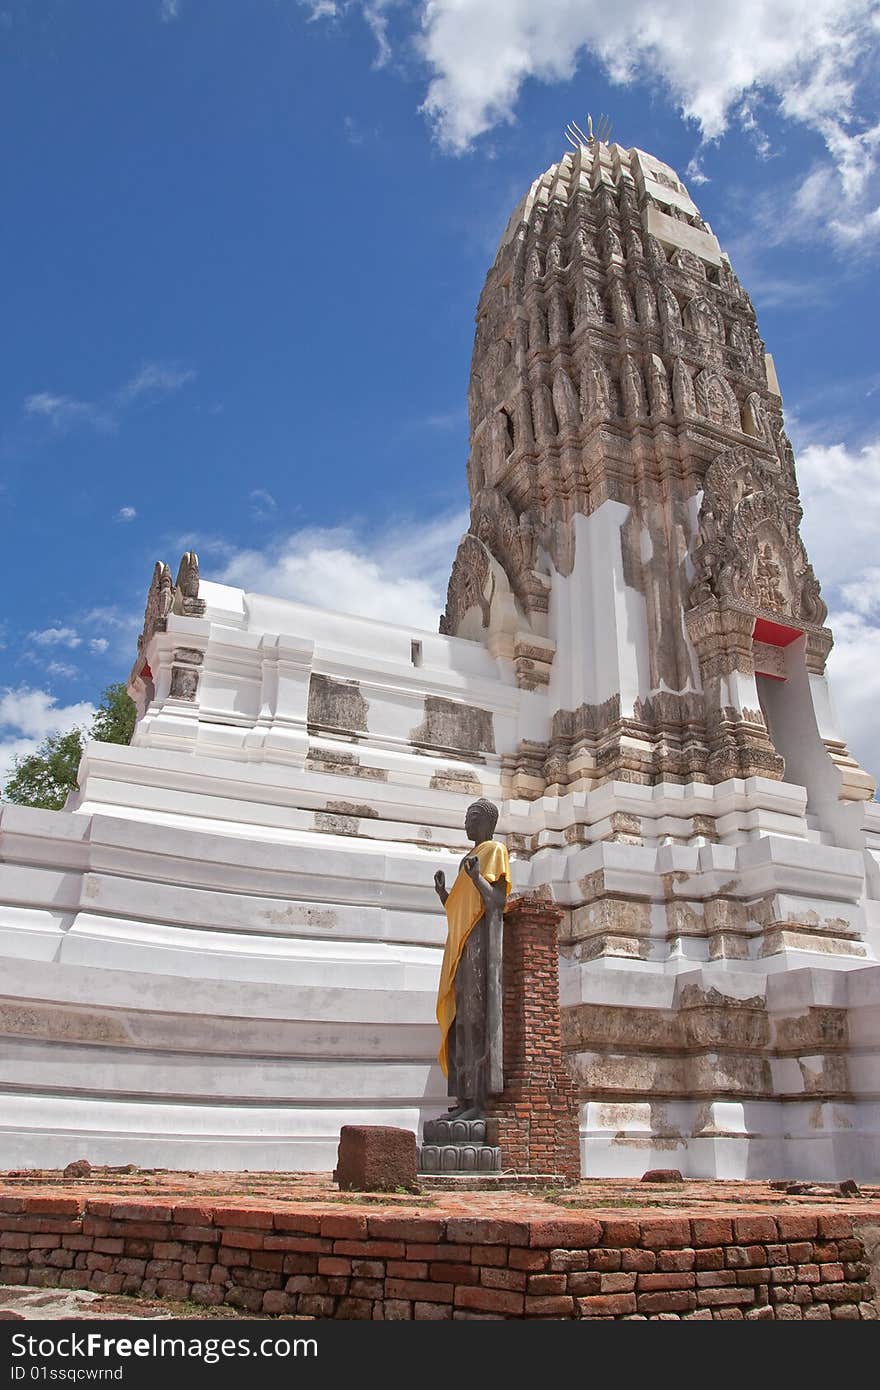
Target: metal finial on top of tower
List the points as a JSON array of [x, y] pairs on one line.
[[575, 136]]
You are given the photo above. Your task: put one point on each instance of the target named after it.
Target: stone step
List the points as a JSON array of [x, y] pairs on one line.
[[459, 1158]]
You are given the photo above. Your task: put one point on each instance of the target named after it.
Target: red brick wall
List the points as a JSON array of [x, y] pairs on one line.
[[537, 1113], [790, 1265]]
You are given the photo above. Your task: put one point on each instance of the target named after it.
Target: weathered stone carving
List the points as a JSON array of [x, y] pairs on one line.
[[646, 304], [537, 328], [715, 400], [336, 705], [702, 318], [670, 317], [186, 590], [554, 257], [452, 726], [596, 389], [621, 305], [185, 673], [686, 260], [565, 399], [658, 386], [749, 551], [499, 444], [611, 247], [618, 376], [557, 320], [754, 418], [683, 390], [543, 413], [164, 598], [633, 388], [467, 585]]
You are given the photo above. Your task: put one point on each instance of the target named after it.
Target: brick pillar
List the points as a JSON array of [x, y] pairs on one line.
[[537, 1113]]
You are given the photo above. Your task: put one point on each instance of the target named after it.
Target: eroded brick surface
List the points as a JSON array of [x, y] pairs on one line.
[[292, 1245]]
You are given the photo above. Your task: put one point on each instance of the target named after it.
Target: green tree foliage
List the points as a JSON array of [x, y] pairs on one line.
[[45, 778], [114, 721]]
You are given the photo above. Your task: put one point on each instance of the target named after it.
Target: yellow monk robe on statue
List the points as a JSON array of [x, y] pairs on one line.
[[465, 907]]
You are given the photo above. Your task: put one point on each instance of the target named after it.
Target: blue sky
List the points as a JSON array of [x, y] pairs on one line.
[[243, 242]]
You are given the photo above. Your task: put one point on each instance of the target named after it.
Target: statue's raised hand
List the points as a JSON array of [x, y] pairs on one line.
[[440, 883], [472, 867]]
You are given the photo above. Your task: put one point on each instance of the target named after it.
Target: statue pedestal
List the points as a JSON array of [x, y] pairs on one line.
[[537, 1113]]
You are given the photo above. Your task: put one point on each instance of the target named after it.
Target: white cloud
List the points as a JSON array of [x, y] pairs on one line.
[[118, 628], [154, 379], [55, 636], [169, 10], [62, 413], [840, 491], [263, 504], [27, 716], [398, 575], [804, 53], [62, 669], [809, 60], [126, 514], [321, 9]]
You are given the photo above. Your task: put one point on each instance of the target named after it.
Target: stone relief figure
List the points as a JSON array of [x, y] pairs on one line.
[[767, 577], [595, 389], [686, 260], [537, 327], [543, 412], [701, 318], [658, 386], [635, 250], [754, 417], [716, 400], [670, 313], [589, 303], [611, 243], [523, 432], [683, 390], [621, 305], [557, 319], [633, 387], [655, 255], [734, 560], [553, 260], [737, 340], [500, 444], [646, 304], [469, 997], [565, 399], [585, 244], [701, 590]]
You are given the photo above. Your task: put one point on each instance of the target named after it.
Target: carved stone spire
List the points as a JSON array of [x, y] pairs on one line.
[[616, 364]]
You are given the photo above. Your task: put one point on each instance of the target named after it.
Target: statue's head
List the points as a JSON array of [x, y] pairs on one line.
[[480, 820]]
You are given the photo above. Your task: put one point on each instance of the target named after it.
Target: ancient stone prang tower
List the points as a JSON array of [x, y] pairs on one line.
[[634, 544]]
